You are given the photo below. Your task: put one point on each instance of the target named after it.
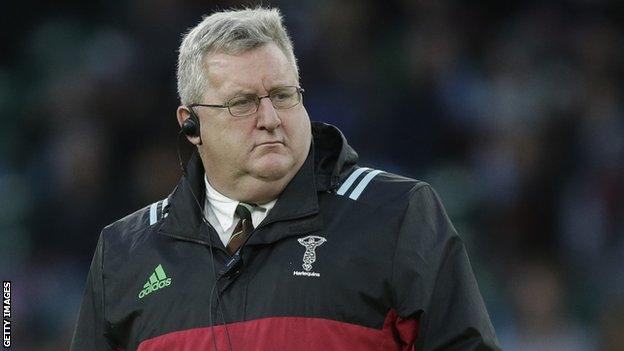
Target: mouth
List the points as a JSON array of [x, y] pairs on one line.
[[270, 143]]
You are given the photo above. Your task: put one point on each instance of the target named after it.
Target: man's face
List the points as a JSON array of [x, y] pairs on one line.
[[266, 145]]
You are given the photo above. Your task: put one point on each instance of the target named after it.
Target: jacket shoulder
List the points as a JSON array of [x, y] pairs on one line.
[[374, 186], [137, 222]]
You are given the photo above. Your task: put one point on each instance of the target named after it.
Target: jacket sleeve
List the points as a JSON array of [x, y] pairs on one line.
[[90, 330], [433, 280]]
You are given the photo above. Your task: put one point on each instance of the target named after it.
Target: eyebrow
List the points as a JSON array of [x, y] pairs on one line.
[[244, 91], [238, 92]]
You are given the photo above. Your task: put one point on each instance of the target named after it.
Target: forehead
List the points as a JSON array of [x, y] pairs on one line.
[[258, 69]]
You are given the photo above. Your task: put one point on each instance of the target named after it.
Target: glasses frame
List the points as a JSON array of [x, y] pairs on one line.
[[258, 98]]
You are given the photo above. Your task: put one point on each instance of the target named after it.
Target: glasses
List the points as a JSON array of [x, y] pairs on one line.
[[245, 105]]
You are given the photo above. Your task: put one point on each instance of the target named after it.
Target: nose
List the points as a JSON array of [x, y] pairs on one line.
[[267, 115]]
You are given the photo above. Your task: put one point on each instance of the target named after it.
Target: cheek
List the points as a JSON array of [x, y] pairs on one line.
[[294, 122], [298, 129], [214, 141], [229, 143]]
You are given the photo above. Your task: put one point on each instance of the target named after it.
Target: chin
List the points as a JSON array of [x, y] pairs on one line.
[[273, 167]]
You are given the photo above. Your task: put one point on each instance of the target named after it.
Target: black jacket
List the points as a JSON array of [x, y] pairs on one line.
[[348, 259]]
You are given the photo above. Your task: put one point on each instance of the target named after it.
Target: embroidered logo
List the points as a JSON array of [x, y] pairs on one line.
[[310, 242], [156, 281]]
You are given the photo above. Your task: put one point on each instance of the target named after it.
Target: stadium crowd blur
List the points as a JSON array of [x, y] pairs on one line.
[[512, 110]]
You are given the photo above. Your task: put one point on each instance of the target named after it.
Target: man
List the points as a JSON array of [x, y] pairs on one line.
[[275, 239]]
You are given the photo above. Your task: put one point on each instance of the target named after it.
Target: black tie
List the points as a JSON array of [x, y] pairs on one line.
[[243, 228]]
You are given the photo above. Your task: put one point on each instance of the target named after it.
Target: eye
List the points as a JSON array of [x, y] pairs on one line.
[[284, 97], [241, 101], [242, 105], [282, 94]]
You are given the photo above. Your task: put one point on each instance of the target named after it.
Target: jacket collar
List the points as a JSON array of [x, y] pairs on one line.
[[333, 156], [329, 158]]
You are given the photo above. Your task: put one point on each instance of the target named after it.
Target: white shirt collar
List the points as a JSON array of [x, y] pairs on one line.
[[224, 208]]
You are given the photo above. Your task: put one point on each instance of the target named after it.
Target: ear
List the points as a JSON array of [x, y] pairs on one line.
[[183, 114]]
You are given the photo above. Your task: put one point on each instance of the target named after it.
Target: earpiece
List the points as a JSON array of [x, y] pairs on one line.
[[190, 127]]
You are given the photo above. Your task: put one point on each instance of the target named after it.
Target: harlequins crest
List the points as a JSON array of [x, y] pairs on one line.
[[310, 242]]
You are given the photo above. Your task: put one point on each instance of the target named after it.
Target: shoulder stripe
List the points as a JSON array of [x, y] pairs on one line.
[[152, 213], [158, 210], [362, 185], [165, 210], [347, 184]]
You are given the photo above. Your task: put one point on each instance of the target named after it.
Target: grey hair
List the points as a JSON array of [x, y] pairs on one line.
[[231, 32]]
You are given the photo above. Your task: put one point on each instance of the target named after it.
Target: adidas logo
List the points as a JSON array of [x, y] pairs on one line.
[[157, 280]]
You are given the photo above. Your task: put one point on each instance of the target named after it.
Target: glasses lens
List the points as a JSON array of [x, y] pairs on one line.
[[243, 105], [285, 97]]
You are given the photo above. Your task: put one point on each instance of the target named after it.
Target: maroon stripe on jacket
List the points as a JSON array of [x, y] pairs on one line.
[[292, 333]]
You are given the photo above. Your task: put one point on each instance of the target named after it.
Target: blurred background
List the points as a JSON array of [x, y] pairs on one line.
[[512, 110]]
